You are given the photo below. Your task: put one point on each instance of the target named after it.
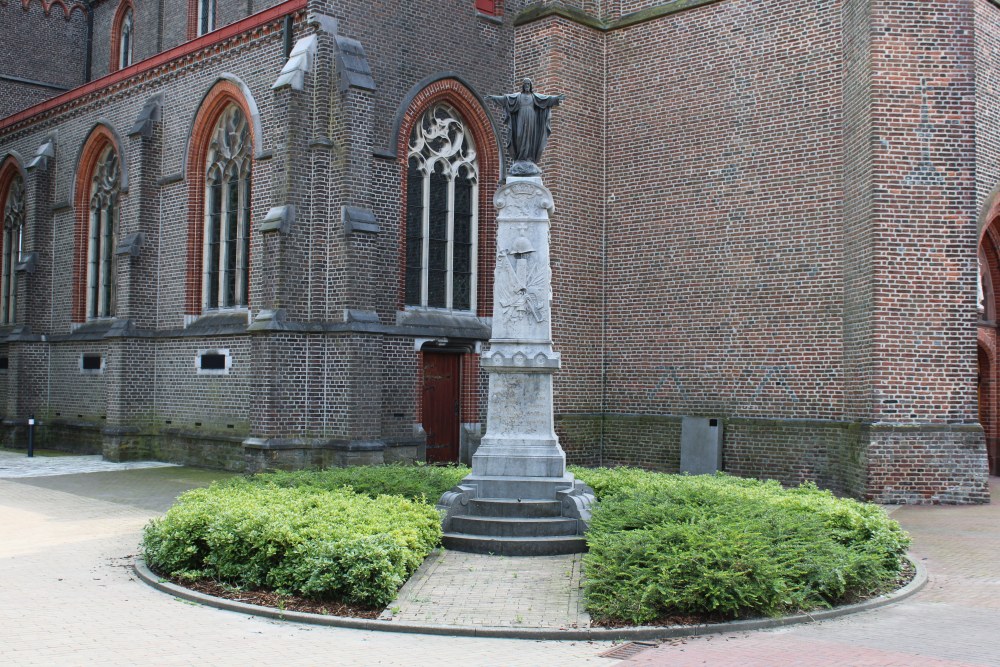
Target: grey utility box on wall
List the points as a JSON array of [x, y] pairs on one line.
[[701, 445]]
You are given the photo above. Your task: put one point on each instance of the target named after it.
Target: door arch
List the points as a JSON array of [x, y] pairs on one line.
[[988, 345]]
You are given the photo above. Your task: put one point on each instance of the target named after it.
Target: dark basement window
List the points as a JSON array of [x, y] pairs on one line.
[[213, 362], [91, 362]]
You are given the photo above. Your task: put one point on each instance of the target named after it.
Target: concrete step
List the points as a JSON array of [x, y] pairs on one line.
[[491, 526], [505, 507], [524, 488], [515, 546]]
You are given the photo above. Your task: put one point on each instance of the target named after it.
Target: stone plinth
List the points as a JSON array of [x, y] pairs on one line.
[[519, 465]]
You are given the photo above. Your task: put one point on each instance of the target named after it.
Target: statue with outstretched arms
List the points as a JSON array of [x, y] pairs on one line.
[[527, 114]]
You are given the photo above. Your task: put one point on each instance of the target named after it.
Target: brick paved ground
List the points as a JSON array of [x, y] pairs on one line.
[[454, 588], [67, 597], [952, 622], [16, 465]]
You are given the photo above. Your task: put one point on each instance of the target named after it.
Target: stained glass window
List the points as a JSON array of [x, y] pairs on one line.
[[101, 239], [441, 213], [227, 213], [13, 228]]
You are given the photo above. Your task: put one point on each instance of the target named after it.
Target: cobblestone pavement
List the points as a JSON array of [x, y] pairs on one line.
[[68, 597], [952, 622]]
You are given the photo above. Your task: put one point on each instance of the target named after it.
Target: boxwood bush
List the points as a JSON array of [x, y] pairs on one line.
[[415, 482], [672, 545], [326, 544]]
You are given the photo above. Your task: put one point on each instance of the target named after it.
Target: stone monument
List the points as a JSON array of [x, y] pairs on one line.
[[519, 499]]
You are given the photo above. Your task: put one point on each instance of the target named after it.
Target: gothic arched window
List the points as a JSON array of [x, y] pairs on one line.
[[101, 235], [227, 212], [13, 228], [206, 16], [123, 37], [125, 40], [442, 195]]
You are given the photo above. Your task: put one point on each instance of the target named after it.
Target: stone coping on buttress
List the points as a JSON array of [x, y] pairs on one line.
[[569, 634]]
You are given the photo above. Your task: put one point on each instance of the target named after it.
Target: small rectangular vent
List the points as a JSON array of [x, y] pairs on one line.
[[91, 362], [213, 362]]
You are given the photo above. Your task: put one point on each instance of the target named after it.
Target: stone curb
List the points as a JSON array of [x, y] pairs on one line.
[[570, 634]]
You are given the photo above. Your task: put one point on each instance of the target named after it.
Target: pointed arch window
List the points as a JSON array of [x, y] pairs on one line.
[[206, 16], [125, 40], [227, 213], [123, 37], [101, 236], [442, 194], [13, 229]]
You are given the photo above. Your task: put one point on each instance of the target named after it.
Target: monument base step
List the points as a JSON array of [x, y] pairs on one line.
[[514, 508], [515, 546], [523, 488], [490, 526]]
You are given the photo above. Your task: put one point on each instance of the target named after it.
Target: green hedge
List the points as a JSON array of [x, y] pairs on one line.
[[660, 545], [410, 481], [666, 545], [326, 544]]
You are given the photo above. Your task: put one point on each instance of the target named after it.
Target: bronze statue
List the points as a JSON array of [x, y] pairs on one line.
[[527, 115]]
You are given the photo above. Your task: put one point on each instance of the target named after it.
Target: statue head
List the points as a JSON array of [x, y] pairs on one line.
[[526, 85]]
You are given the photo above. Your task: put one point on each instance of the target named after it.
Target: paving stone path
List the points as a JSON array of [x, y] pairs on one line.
[[68, 597], [17, 465], [455, 588]]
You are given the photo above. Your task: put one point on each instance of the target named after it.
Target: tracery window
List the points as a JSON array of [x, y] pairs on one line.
[[227, 212], [125, 40], [206, 16], [104, 207], [442, 191], [13, 228]]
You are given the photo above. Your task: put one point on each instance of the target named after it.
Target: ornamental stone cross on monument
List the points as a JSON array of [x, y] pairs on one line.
[[519, 499]]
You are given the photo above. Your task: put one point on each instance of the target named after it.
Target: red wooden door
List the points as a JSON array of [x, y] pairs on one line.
[[441, 406]]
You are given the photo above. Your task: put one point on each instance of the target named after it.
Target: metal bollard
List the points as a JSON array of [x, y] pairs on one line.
[[31, 435]]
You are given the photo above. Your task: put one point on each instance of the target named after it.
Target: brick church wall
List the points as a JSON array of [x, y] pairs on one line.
[[560, 56], [987, 48], [924, 219], [767, 262], [766, 212], [184, 410], [24, 59], [724, 279], [330, 385]]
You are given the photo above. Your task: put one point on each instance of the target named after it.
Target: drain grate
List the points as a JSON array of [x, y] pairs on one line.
[[626, 650]]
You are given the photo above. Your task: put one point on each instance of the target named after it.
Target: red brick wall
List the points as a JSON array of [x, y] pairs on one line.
[[789, 230], [564, 57], [724, 279]]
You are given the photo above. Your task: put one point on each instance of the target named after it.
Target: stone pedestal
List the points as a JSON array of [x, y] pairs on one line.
[[519, 500]]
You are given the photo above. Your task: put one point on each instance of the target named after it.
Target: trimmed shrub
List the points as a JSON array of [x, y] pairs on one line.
[[667, 545], [337, 545], [410, 481]]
